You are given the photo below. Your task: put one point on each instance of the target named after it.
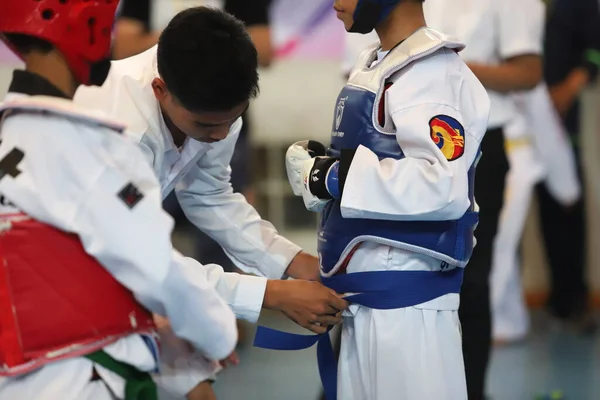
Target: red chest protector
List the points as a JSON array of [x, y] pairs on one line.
[[56, 301]]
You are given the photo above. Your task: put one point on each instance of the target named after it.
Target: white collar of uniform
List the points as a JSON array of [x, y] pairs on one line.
[[58, 106], [423, 42], [419, 44], [170, 144]]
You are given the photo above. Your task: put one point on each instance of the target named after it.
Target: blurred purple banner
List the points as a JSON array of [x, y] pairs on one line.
[[307, 29]]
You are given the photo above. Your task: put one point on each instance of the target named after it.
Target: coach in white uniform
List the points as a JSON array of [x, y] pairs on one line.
[[138, 28], [503, 50], [66, 168], [182, 102]]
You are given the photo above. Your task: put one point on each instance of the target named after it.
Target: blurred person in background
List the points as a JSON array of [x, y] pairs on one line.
[[539, 150], [138, 28], [504, 52], [141, 22], [510, 319], [571, 60]]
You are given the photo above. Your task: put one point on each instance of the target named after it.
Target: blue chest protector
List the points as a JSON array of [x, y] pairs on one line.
[[448, 241]]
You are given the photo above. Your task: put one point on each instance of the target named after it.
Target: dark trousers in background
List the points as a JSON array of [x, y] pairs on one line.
[[564, 233], [475, 308]]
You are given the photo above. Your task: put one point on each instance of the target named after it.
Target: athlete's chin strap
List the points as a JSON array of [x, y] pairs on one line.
[[99, 72], [366, 17], [370, 13]]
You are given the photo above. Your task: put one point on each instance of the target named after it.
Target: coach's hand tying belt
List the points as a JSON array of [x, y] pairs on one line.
[[381, 290]]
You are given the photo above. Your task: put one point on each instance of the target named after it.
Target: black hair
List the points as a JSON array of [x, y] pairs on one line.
[[207, 60], [25, 44]]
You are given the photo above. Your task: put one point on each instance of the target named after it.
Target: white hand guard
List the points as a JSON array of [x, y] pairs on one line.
[[299, 161]]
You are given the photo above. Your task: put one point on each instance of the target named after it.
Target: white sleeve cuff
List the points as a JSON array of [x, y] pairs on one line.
[[249, 296], [276, 260]]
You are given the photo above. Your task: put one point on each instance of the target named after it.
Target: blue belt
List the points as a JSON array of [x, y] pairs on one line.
[[381, 290]]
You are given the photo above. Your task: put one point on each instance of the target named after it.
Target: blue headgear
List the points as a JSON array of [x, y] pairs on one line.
[[369, 13]]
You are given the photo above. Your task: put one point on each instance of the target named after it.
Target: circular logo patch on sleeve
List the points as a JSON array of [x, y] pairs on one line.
[[449, 136]]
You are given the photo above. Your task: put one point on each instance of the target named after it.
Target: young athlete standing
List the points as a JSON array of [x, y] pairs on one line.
[[396, 192]]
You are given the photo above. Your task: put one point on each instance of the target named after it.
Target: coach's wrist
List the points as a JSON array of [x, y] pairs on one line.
[[273, 294], [304, 266], [202, 391]]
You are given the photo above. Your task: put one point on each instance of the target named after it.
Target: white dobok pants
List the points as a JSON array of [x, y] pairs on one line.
[[412, 353]]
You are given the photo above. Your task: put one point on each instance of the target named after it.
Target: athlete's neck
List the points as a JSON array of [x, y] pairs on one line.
[[402, 22], [54, 68]]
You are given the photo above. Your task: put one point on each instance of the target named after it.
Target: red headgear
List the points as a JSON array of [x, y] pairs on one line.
[[80, 29]]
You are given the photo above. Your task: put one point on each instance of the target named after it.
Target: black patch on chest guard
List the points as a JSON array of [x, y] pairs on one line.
[[8, 165], [130, 195]]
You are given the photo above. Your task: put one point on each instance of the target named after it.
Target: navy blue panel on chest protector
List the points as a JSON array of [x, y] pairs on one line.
[[448, 241], [353, 126]]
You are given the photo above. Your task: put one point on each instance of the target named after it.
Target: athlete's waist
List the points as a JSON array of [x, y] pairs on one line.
[[383, 254], [371, 255], [131, 350], [138, 350]]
